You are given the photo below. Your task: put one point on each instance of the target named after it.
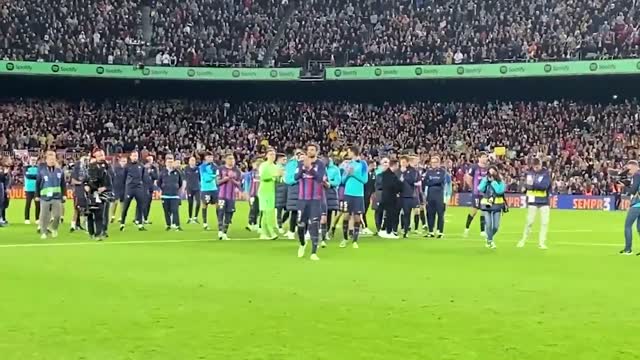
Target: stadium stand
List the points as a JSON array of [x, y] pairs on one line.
[[342, 33], [579, 141]]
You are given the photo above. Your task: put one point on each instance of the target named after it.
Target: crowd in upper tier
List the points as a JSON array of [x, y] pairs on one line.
[[579, 142], [340, 32]]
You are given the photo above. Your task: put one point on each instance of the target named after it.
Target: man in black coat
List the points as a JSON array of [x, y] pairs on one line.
[[389, 199]]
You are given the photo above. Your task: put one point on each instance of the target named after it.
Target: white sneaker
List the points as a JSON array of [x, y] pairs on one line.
[[355, 245], [43, 237], [54, 234], [220, 234], [366, 231], [323, 244], [491, 245], [520, 244], [281, 231], [264, 237], [483, 234], [27, 222], [383, 234], [291, 236], [314, 257], [343, 244], [465, 233], [301, 250], [205, 227], [542, 247], [393, 236], [307, 236]]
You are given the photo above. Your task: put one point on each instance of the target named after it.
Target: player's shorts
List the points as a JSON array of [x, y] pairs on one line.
[[476, 202], [343, 206], [227, 205], [355, 204], [209, 197], [309, 210]]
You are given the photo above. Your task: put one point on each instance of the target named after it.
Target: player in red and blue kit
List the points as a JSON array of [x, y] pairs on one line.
[[473, 178], [310, 176], [229, 178]]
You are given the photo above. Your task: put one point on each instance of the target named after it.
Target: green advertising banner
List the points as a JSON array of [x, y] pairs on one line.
[[149, 72], [515, 70]]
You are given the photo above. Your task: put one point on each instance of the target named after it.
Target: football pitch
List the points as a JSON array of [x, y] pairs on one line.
[[182, 296]]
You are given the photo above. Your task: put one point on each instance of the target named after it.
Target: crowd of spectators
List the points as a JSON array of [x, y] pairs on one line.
[[579, 142], [340, 32]]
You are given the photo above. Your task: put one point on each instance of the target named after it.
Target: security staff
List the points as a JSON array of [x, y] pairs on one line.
[[409, 177], [50, 189], [30, 177], [434, 180], [538, 189], [633, 214], [389, 204]]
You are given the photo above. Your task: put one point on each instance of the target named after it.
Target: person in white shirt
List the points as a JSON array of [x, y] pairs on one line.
[[159, 58]]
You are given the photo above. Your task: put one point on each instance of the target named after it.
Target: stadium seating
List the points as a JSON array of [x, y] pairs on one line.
[[579, 141], [345, 32]]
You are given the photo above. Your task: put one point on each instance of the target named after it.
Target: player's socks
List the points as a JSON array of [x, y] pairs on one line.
[[345, 230], [323, 231], [314, 232], [301, 231], [416, 222], [204, 216], [350, 234], [469, 220], [482, 223], [423, 217], [356, 231]]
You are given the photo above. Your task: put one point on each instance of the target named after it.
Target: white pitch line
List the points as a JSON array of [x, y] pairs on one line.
[[532, 243]]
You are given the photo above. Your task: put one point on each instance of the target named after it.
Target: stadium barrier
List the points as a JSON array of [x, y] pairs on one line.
[[148, 72], [487, 71], [563, 202]]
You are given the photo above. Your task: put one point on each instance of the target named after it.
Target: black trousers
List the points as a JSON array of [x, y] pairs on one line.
[[406, 205], [435, 208], [391, 211], [140, 196], [31, 195], [95, 221], [254, 212], [171, 213]]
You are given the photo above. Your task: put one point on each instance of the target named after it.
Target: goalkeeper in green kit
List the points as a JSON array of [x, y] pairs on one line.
[[269, 175]]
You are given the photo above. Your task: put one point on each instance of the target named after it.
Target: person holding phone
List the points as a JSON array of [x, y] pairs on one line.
[[492, 202]]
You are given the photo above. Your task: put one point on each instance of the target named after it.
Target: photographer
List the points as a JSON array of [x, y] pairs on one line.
[[96, 197], [632, 188], [492, 203]]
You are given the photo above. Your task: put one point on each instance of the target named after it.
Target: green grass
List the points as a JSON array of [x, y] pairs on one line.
[[390, 299]]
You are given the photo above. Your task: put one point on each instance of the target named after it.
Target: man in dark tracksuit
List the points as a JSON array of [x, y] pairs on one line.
[[282, 215], [409, 176], [134, 174], [379, 212], [434, 181], [171, 182], [192, 176], [369, 189], [78, 177], [149, 180], [389, 201], [30, 177], [118, 184]]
